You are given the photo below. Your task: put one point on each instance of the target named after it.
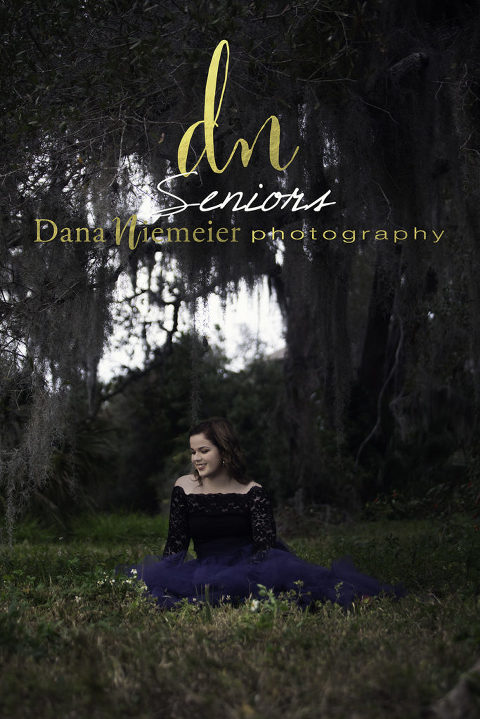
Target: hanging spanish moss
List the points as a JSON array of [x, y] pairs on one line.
[[382, 101]]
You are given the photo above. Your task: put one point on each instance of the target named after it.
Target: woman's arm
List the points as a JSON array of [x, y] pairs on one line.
[[262, 522], [178, 529]]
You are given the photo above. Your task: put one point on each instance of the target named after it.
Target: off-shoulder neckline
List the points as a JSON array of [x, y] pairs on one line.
[[218, 494]]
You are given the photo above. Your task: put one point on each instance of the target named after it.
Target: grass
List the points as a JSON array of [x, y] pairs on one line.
[[74, 643]]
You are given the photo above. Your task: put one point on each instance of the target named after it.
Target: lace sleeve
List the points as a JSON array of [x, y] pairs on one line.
[[262, 522], [178, 530]]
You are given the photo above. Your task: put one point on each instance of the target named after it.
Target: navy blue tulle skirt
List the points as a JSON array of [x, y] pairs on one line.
[[230, 571]]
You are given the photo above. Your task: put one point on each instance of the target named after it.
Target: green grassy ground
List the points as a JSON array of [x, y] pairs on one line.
[[75, 643]]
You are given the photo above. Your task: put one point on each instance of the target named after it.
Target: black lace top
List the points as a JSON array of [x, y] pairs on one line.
[[204, 517]]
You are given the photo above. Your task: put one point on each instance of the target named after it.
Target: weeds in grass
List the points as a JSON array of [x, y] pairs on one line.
[[76, 640]]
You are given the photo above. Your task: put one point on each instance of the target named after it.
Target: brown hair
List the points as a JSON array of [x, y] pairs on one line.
[[220, 432]]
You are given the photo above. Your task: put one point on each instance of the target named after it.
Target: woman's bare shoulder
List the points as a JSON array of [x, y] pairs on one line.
[[186, 481], [253, 484]]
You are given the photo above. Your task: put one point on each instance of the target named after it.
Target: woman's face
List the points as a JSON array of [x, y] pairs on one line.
[[205, 456]]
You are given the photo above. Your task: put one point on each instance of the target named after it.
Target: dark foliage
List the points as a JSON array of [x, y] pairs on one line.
[[381, 376]]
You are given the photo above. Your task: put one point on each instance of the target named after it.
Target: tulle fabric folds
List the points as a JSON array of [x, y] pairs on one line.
[[230, 570]]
